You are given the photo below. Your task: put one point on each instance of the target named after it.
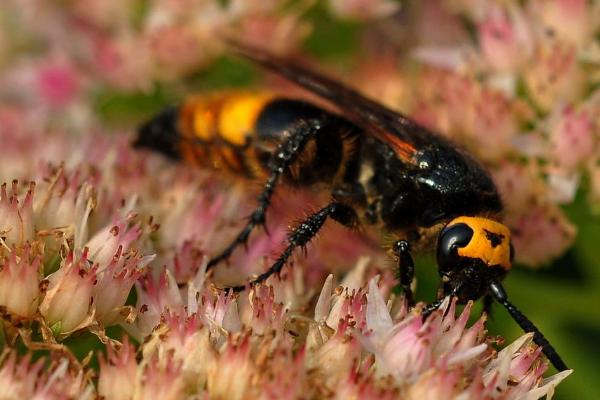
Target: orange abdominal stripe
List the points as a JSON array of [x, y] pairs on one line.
[[230, 116], [490, 242]]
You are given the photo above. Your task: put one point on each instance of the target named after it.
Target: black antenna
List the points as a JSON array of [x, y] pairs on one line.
[[501, 297]]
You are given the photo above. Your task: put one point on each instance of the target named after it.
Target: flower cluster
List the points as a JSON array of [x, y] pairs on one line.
[[97, 238], [65, 271]]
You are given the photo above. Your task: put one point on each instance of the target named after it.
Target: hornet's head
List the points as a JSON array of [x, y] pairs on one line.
[[161, 134], [471, 253]]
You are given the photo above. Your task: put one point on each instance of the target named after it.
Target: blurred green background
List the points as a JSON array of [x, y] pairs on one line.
[[562, 299]]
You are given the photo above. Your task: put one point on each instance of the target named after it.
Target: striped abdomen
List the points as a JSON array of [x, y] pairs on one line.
[[237, 132]]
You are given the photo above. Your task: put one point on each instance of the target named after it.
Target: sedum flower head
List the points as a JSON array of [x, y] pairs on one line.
[[281, 339], [108, 239]]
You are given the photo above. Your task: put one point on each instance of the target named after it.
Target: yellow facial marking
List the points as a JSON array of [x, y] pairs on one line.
[[490, 241], [238, 116]]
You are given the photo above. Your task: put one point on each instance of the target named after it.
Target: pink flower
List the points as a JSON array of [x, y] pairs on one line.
[[115, 63], [230, 376], [18, 378], [64, 205], [58, 84], [161, 379], [485, 120], [520, 186], [221, 316], [572, 138], [156, 295], [114, 283], [16, 215], [22, 379], [104, 14], [266, 313], [540, 234], [186, 339], [118, 372], [68, 304], [405, 350], [504, 39], [187, 261], [520, 359], [554, 76], [286, 32], [179, 49], [567, 20], [107, 242], [20, 278]]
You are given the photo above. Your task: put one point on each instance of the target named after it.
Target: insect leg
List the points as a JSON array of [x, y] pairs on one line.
[[431, 307], [303, 233], [282, 158], [406, 269], [498, 292], [488, 301]]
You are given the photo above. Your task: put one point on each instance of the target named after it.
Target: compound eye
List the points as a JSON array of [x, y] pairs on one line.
[[450, 240]]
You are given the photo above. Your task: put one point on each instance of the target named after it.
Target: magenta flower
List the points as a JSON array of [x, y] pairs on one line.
[[58, 84]]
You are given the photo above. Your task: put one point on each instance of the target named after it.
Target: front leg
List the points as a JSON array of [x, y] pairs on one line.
[[405, 270]]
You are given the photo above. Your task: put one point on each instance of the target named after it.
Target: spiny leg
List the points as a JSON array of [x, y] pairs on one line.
[[287, 152], [405, 270], [498, 292], [303, 233]]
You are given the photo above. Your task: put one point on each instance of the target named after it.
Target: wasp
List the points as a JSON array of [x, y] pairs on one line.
[[380, 167]]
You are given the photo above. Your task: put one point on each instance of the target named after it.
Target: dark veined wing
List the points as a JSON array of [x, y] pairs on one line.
[[401, 133]]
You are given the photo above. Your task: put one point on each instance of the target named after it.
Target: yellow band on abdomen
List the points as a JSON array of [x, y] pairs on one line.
[[238, 114]]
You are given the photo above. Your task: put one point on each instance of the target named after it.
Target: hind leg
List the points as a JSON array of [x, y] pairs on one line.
[[287, 152], [302, 235]]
